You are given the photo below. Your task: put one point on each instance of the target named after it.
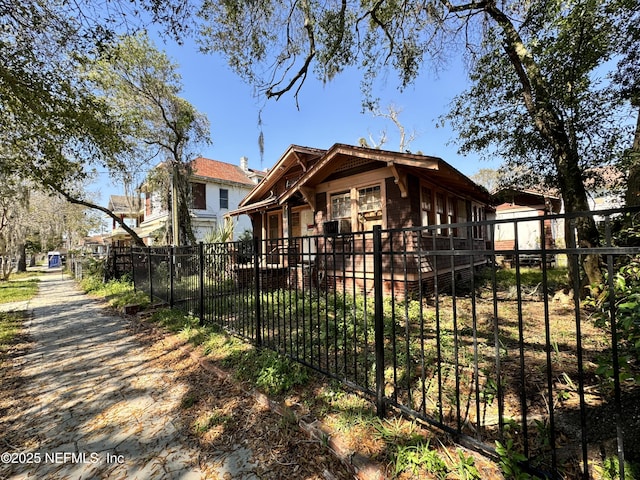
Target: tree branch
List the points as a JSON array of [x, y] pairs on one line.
[[302, 73], [105, 210], [464, 7]]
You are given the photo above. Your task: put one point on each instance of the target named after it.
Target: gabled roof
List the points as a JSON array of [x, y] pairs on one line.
[[318, 164], [528, 198], [123, 205], [92, 240], [213, 169], [295, 155], [436, 169]]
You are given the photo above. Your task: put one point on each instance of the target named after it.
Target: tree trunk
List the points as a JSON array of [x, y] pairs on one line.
[[580, 231], [538, 102], [632, 194], [22, 259], [182, 189]]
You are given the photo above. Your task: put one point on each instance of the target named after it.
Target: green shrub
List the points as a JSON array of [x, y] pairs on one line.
[[94, 267], [269, 371], [626, 303], [91, 283]]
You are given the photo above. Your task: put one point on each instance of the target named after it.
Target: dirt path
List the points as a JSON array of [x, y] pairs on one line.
[[96, 396]]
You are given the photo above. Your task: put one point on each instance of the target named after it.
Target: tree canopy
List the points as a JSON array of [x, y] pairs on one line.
[[142, 87], [545, 91], [56, 131]]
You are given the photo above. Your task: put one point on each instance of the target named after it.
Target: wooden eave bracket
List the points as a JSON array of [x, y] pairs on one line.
[[300, 162], [309, 194], [400, 180]]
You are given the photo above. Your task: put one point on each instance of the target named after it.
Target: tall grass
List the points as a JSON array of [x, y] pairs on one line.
[[18, 290], [117, 293]]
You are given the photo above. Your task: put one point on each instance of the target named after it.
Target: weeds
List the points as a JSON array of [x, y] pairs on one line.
[[414, 458], [188, 401], [511, 460], [396, 430], [206, 423], [173, 320], [18, 290], [610, 469], [117, 293], [269, 371], [530, 278], [466, 467], [10, 326]]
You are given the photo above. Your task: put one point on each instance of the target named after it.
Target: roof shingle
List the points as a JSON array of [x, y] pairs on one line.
[[205, 167]]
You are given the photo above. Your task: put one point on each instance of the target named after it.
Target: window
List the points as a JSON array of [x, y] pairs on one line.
[[198, 196], [224, 198], [369, 199], [477, 214], [440, 213], [451, 214], [425, 206], [461, 217], [369, 207], [341, 210]]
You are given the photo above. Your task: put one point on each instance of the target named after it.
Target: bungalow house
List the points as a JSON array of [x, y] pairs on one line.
[[512, 204], [216, 188], [315, 205], [93, 245]]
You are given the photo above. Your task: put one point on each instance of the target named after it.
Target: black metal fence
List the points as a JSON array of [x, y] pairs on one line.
[[444, 323]]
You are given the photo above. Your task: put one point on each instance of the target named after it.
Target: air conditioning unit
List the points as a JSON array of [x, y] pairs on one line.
[[331, 227]]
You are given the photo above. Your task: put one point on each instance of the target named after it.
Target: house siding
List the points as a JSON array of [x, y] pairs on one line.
[[207, 219], [402, 212]]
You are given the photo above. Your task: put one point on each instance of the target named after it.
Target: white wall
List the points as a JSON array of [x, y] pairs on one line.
[[205, 220], [236, 195]]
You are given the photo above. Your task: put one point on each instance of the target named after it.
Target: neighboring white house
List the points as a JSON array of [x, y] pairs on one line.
[[129, 210], [216, 188], [517, 204], [521, 203]]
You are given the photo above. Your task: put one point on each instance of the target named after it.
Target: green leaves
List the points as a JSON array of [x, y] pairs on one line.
[[141, 86], [511, 460], [626, 299]]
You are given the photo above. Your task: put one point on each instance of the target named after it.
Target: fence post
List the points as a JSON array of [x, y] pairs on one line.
[[149, 273], [379, 319], [201, 260], [133, 270], [172, 259], [115, 265], [256, 272]]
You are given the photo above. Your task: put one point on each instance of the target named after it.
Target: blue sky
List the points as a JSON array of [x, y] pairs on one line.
[[327, 114]]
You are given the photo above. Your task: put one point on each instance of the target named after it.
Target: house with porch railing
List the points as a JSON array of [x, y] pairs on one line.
[[316, 208]]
